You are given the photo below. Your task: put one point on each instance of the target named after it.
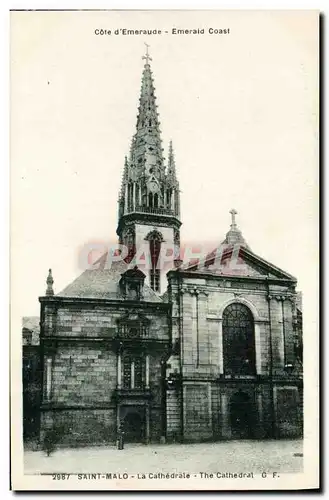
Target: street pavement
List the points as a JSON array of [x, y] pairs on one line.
[[284, 456]]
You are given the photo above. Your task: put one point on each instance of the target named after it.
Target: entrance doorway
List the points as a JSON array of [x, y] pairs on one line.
[[242, 416], [134, 427]]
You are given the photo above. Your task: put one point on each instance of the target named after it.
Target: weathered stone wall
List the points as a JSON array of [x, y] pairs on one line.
[[173, 415], [202, 303], [156, 385], [83, 374], [99, 321], [287, 409], [197, 412], [207, 414], [81, 427], [80, 376]]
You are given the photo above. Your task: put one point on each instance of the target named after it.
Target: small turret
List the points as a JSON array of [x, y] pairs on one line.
[[50, 282]]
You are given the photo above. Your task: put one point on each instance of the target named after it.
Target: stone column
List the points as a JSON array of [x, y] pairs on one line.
[[132, 367], [226, 430], [147, 371], [282, 336], [260, 408], [195, 340], [210, 407], [220, 347], [258, 348], [118, 419], [203, 329], [276, 332], [147, 430], [119, 371], [49, 363], [289, 331]]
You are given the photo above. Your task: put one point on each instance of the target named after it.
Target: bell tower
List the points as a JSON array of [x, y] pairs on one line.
[[149, 201]]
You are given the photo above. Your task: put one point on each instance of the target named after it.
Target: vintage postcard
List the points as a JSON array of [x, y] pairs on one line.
[[164, 250]]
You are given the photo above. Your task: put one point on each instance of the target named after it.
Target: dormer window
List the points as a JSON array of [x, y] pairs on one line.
[[132, 284]]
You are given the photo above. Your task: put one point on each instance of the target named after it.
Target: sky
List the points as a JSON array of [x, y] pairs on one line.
[[241, 110]]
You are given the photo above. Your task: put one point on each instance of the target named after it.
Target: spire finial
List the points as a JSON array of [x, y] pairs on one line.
[[234, 236], [50, 282], [147, 57], [233, 213]]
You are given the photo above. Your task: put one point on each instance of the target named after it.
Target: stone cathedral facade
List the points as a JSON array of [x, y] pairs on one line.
[[198, 351]]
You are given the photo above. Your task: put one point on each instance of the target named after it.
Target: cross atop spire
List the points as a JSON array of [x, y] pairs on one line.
[[147, 57], [233, 213]]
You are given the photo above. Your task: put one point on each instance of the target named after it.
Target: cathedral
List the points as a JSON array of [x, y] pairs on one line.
[[187, 351]]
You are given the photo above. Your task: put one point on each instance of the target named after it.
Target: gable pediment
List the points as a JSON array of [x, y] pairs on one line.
[[239, 262]]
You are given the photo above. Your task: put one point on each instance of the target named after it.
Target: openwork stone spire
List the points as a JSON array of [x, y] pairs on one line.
[[234, 235], [146, 185], [147, 147]]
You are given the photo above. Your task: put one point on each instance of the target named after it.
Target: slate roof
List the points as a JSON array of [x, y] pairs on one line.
[[31, 323], [101, 282], [31, 330]]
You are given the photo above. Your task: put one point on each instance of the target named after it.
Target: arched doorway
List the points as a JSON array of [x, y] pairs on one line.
[[242, 416], [134, 428]]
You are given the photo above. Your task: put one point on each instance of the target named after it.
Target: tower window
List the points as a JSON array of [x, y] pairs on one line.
[[155, 240]]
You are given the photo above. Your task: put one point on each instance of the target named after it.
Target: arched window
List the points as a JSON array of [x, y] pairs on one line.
[[129, 242], [151, 200], [238, 340], [155, 239]]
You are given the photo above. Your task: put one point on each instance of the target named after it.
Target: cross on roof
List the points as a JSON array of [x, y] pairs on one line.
[[147, 57], [233, 213]]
